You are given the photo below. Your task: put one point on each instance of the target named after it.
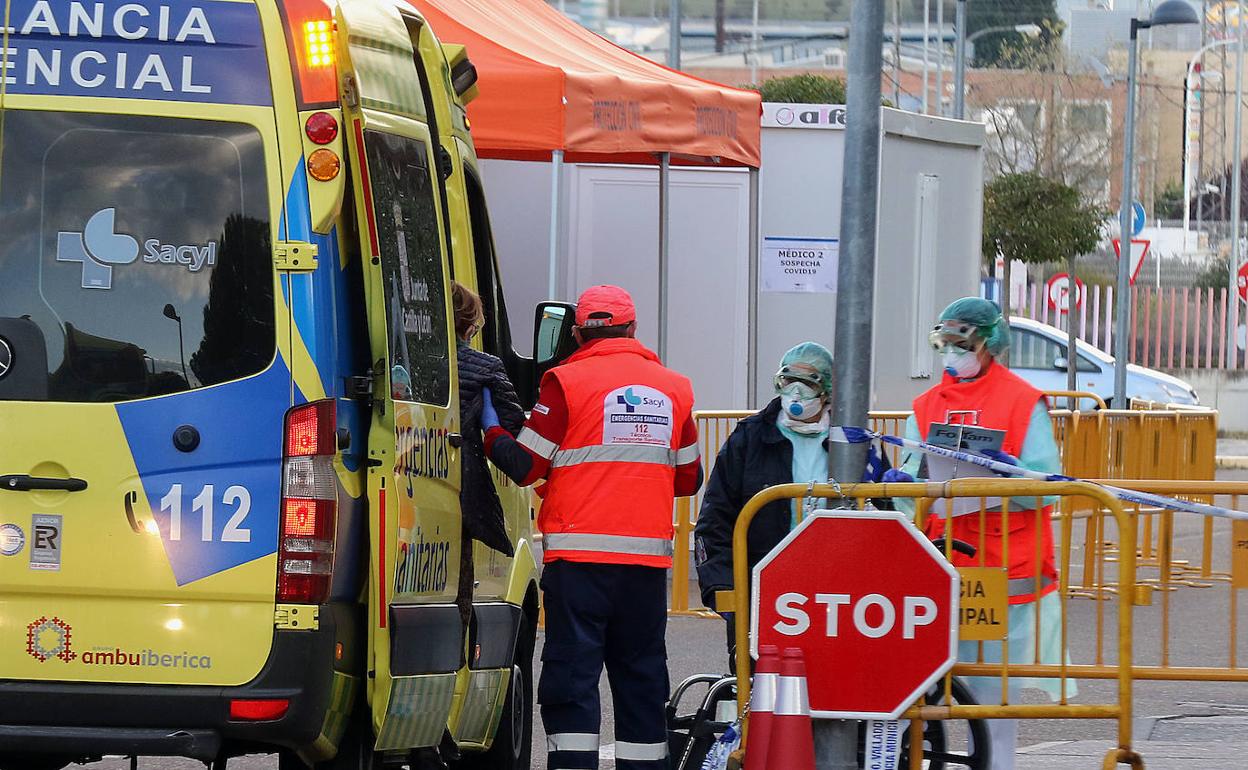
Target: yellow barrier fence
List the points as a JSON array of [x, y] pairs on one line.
[[1117, 664]]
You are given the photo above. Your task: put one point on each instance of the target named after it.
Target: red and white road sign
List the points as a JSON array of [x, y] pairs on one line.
[[871, 603], [1139, 250], [1057, 289], [1241, 282]]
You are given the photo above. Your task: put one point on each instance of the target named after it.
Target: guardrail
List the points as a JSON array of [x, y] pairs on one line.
[[1120, 669]]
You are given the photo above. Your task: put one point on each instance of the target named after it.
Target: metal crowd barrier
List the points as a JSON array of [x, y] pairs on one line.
[[1118, 666], [1180, 558]]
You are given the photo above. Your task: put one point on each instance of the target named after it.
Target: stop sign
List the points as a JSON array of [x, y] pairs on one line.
[[871, 603], [1241, 281]]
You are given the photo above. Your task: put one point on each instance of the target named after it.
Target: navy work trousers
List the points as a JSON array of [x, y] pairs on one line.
[[610, 614]]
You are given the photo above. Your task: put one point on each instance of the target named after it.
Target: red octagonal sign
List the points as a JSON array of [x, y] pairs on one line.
[[872, 604]]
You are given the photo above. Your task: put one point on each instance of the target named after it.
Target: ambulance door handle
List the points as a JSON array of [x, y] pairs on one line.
[[24, 483], [455, 440]]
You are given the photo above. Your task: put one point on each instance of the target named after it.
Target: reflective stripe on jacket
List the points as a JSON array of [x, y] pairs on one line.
[[612, 476], [1000, 400]]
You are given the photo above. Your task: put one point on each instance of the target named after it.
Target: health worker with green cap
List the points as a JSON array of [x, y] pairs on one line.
[[784, 443], [978, 390]]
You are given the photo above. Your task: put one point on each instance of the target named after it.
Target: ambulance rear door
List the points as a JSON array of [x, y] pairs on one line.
[[413, 480], [142, 389]]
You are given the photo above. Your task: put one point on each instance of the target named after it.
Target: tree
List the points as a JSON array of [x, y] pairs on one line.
[[807, 88], [1034, 219], [1046, 116], [990, 48], [1169, 203]]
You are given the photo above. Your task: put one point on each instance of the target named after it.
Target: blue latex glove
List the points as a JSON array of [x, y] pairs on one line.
[[895, 476], [1001, 457], [489, 417]]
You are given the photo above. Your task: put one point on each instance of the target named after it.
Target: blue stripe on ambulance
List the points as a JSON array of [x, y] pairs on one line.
[[216, 507], [327, 337], [207, 51]]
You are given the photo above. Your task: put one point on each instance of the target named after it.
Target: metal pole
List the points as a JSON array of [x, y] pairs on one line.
[[959, 62], [665, 234], [940, 58], [897, 68], [836, 742], [1122, 295], [552, 277], [754, 46], [1236, 196], [927, 36], [1187, 149], [673, 33], [751, 388]]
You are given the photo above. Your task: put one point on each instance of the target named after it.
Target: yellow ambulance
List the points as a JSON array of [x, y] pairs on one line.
[[229, 418]]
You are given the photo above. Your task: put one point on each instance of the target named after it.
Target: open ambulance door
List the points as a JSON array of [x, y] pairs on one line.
[[415, 631]]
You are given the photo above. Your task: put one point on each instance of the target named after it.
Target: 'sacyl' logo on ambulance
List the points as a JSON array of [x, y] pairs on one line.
[[99, 247]]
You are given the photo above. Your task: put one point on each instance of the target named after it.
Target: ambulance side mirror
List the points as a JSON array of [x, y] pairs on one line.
[[552, 336]]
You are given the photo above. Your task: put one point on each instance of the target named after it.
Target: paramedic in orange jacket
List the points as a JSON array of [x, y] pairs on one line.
[[977, 390], [613, 434]]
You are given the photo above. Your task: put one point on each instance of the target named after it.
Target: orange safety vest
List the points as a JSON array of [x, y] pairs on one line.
[[612, 478], [1001, 400]]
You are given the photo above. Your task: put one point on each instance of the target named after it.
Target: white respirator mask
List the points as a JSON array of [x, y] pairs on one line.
[[963, 364]]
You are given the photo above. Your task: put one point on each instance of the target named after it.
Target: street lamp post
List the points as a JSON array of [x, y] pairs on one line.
[[1166, 13], [964, 43]]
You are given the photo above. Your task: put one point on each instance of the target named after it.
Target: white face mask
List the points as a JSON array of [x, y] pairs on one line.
[[962, 364], [800, 401]]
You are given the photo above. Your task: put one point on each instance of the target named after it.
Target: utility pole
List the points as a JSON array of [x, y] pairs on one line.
[[836, 742], [673, 34], [1237, 172], [720, 35], [959, 61]]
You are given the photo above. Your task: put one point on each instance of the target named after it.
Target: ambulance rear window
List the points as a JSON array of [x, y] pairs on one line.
[[136, 260]]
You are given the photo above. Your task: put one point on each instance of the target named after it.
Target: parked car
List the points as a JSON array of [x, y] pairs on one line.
[[1038, 354]]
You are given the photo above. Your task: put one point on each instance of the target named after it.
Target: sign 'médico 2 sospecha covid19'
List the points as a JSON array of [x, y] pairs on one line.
[[207, 51]]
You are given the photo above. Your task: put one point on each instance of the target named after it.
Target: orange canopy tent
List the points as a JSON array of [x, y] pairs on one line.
[[549, 85], [549, 89]]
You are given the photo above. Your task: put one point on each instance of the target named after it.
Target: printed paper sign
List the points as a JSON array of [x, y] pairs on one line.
[[802, 265]]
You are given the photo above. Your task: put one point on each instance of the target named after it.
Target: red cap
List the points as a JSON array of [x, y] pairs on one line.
[[605, 306]]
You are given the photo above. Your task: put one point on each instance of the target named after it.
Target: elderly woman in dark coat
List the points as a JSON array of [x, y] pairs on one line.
[[478, 499]]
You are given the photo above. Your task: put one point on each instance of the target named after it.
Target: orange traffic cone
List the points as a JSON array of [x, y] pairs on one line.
[[762, 703], [792, 744]]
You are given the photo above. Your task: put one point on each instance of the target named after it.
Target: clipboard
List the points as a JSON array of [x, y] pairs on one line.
[[966, 438]]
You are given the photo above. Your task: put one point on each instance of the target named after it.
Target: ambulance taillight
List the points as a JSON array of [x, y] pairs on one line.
[[309, 510]]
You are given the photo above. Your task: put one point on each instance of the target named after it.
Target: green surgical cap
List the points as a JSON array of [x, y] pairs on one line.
[[814, 355], [985, 316]]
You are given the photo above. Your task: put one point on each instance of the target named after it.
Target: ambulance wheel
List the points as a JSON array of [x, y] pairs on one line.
[[513, 742], [952, 743]]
